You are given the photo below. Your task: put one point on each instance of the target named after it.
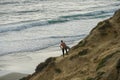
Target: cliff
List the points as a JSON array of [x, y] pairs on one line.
[[94, 58]]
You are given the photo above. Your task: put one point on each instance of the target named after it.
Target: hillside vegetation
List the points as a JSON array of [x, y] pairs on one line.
[[93, 58]]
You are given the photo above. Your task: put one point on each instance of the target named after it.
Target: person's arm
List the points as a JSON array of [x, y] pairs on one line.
[[61, 46]]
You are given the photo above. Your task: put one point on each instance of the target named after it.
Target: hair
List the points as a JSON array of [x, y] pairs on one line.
[[61, 40]]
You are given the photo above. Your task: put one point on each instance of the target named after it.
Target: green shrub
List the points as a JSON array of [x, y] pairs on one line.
[[73, 57], [42, 65], [104, 25], [83, 52], [99, 75], [82, 43], [57, 70], [89, 78], [104, 60]]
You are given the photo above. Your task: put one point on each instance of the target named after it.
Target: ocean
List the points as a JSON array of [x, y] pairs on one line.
[[31, 30]]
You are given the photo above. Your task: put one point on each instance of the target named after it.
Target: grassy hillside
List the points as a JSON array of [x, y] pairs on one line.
[[93, 58]]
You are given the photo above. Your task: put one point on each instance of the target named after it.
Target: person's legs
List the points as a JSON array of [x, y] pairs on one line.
[[63, 52], [66, 50]]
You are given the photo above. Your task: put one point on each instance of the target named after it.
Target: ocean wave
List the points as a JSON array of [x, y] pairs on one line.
[[94, 13], [6, 3], [37, 23], [21, 26], [30, 11], [115, 4], [74, 36], [15, 2]]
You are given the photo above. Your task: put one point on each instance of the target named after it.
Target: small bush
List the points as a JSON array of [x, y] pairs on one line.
[[104, 25], [104, 33], [104, 60], [83, 52], [99, 75], [51, 59], [42, 65], [89, 78], [73, 57], [57, 70], [116, 34], [82, 43]]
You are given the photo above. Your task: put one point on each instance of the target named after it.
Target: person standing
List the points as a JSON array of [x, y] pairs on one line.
[[63, 46]]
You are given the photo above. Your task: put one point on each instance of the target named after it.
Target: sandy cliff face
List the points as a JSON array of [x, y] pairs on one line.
[[93, 58]]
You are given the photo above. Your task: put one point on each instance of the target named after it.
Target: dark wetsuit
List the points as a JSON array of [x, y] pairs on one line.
[[63, 47]]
